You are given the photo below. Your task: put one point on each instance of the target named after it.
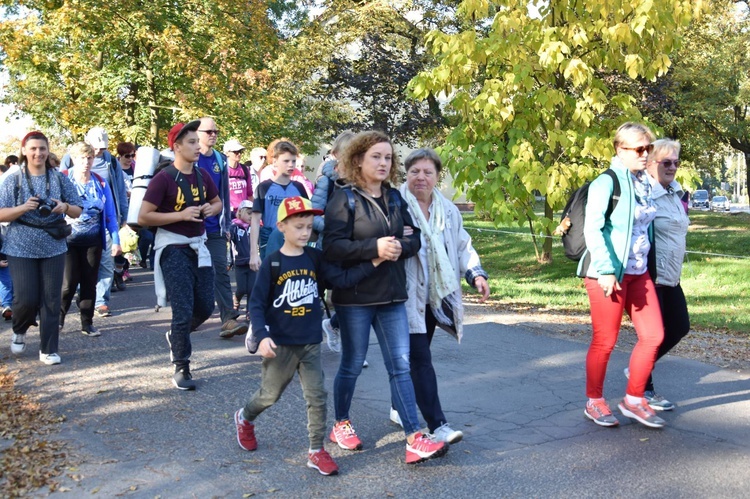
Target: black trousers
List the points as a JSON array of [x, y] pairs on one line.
[[191, 293], [36, 289], [423, 374], [676, 319], [81, 268]]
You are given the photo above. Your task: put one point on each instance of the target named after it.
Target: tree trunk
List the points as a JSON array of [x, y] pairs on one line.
[[547, 246]]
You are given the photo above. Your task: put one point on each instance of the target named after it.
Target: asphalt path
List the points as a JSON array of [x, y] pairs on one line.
[[516, 393]]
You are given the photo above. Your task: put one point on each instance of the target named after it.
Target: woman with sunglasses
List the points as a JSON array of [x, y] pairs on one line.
[[615, 267], [667, 253]]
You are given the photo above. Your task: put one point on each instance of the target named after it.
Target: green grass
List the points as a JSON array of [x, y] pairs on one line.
[[717, 288]]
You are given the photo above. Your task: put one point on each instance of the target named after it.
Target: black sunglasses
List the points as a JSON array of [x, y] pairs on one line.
[[210, 132], [640, 149], [129, 156]]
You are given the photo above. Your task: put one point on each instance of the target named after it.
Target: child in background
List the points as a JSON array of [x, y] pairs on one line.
[[286, 316], [240, 236]]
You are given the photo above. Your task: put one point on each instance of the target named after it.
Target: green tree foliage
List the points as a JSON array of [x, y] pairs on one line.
[[358, 57], [710, 88], [531, 89], [136, 67]]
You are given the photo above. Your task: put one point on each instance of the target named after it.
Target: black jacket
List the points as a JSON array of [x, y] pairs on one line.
[[351, 242]]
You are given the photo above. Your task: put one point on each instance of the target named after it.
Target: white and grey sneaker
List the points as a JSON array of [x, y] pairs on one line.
[[657, 402], [333, 336], [18, 344], [447, 434], [49, 358], [395, 418]]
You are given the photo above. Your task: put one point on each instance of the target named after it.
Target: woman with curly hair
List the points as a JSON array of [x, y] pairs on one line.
[[365, 219]]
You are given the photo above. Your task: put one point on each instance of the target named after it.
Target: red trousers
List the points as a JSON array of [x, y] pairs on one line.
[[638, 298]]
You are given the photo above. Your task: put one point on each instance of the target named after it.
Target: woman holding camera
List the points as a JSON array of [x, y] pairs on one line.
[[35, 200], [88, 237]]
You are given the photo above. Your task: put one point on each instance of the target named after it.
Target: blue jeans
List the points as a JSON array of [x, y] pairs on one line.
[[106, 273], [6, 287], [392, 329]]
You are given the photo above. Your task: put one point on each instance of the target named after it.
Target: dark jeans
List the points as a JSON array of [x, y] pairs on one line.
[[674, 312], [423, 374], [217, 246], [37, 283], [245, 281], [81, 267], [190, 290], [146, 246]]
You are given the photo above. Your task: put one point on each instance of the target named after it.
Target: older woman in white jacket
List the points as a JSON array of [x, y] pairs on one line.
[[434, 282], [667, 253]]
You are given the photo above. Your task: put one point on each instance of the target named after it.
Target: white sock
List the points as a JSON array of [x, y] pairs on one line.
[[313, 451], [633, 400], [591, 401]]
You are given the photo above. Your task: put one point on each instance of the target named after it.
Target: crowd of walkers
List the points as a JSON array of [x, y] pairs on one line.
[[394, 258]]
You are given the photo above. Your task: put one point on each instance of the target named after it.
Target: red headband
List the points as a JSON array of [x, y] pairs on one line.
[[31, 134]]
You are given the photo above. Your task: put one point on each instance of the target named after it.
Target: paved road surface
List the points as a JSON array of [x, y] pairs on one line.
[[517, 395]]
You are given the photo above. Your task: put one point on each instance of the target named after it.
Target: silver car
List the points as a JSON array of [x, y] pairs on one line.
[[719, 203]]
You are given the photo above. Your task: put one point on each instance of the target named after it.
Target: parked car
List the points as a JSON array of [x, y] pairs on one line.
[[720, 203], [700, 199]]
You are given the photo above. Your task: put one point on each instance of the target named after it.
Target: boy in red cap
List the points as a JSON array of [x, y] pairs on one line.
[[177, 201], [286, 316]]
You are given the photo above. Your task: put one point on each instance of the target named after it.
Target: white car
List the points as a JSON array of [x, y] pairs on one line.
[[719, 203]]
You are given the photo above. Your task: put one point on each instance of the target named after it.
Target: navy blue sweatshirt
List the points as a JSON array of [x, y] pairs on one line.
[[291, 306]]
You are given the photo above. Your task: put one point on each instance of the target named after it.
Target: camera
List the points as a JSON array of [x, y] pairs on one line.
[[45, 207]]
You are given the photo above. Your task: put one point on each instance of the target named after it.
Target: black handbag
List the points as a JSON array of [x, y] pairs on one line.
[[58, 230]]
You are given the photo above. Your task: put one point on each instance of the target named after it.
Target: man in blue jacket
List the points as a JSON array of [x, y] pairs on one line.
[[107, 167], [217, 228]]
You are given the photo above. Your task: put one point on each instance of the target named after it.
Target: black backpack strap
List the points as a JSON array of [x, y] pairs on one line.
[[275, 258], [184, 185], [352, 206], [615, 197]]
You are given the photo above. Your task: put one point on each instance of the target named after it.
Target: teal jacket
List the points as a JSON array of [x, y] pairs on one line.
[[608, 240]]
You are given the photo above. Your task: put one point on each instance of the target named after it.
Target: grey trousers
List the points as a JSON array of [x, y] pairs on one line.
[[277, 373]]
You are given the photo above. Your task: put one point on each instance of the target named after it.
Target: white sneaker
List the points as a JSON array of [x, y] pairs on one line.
[[18, 344], [447, 434], [365, 363], [333, 336], [49, 358], [395, 418]]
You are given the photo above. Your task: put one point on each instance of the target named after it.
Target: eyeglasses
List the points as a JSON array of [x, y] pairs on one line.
[[210, 132], [640, 149], [667, 163], [262, 157], [129, 156], [237, 152]]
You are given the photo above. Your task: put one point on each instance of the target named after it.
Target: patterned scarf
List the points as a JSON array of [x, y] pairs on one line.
[[443, 284]]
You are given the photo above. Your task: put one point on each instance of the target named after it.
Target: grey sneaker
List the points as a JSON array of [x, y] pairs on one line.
[[447, 434], [657, 402], [642, 413], [232, 328], [18, 344], [600, 413], [183, 380], [333, 336]]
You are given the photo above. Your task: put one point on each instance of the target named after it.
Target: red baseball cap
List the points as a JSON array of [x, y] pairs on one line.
[[180, 129], [294, 206]]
